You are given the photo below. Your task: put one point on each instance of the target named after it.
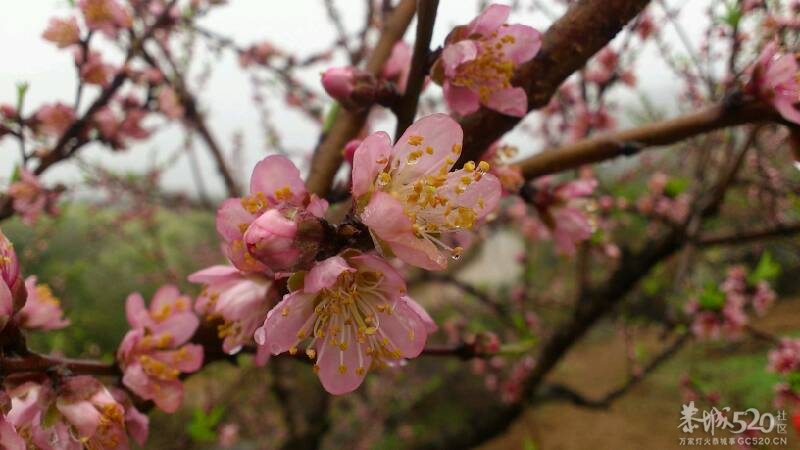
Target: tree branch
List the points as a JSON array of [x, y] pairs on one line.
[[407, 108], [566, 46], [628, 142], [328, 155]]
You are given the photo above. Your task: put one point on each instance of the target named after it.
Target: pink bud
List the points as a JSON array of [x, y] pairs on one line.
[[350, 150], [339, 82], [284, 239]]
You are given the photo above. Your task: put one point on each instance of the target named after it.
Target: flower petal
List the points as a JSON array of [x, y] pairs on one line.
[[369, 160], [489, 20], [342, 371], [278, 172], [324, 274], [284, 321], [512, 101], [438, 140], [463, 101], [526, 44], [458, 53]]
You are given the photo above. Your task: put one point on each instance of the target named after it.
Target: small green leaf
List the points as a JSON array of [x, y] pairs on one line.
[[711, 299], [676, 186], [201, 427], [767, 270], [22, 89], [330, 117]]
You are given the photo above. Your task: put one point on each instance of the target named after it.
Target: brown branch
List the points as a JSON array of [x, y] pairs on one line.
[[328, 155], [561, 392], [628, 142], [407, 107], [566, 46], [745, 237], [35, 363]]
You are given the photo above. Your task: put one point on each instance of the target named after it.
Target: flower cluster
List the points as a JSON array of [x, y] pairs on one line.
[[724, 310], [561, 213], [775, 77], [784, 359]]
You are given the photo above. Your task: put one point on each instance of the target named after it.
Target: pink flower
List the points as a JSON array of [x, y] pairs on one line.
[[398, 65], [785, 358], [274, 185], [776, 77], [510, 176], [42, 311], [170, 104], [763, 298], [155, 352], [10, 282], [55, 119], [30, 198], [93, 69], [408, 197], [241, 300], [105, 15], [79, 413], [9, 438], [559, 210], [478, 62], [352, 87], [352, 313], [62, 32]]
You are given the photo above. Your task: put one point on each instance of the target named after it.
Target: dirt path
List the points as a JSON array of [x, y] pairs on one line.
[[645, 418]]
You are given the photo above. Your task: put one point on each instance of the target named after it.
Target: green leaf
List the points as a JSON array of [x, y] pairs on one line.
[[22, 89], [675, 186], [330, 117], [767, 270], [711, 299], [201, 427]]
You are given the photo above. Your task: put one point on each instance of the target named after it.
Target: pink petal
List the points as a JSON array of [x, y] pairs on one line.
[[481, 196], [440, 133], [180, 326], [165, 296], [135, 311], [527, 42], [137, 424], [214, 275], [576, 189], [187, 359], [330, 360], [385, 217], [82, 415], [370, 158], [427, 320], [512, 101], [317, 206], [277, 172], [787, 109], [284, 321], [325, 273], [9, 439], [489, 20], [458, 53], [405, 329], [231, 215], [463, 101], [392, 282]]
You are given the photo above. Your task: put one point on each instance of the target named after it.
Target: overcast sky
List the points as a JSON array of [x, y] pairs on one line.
[[298, 26]]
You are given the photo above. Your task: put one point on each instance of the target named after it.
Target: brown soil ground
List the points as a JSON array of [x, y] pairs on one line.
[[647, 417]]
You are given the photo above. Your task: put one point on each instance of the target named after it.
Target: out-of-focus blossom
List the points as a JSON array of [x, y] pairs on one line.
[[155, 352], [259, 53], [62, 32], [352, 313], [275, 185], [170, 104], [785, 358], [42, 310], [398, 65], [479, 59], [79, 413], [510, 176], [55, 119], [776, 78], [93, 69], [410, 199], [30, 198], [107, 16], [11, 284], [241, 300], [560, 209], [9, 438]]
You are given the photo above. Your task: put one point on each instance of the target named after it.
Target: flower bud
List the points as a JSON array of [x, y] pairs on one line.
[[354, 88], [284, 240]]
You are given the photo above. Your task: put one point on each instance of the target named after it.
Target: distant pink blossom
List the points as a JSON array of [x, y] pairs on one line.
[[351, 313], [10, 280], [398, 65], [62, 32], [155, 352], [776, 77], [275, 185], [169, 103], [42, 310], [785, 358], [410, 199], [30, 199], [478, 62], [93, 69], [79, 413], [510, 176], [559, 209], [241, 300], [54, 119], [107, 16]]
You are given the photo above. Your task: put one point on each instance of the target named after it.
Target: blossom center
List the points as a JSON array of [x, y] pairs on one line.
[[490, 71]]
